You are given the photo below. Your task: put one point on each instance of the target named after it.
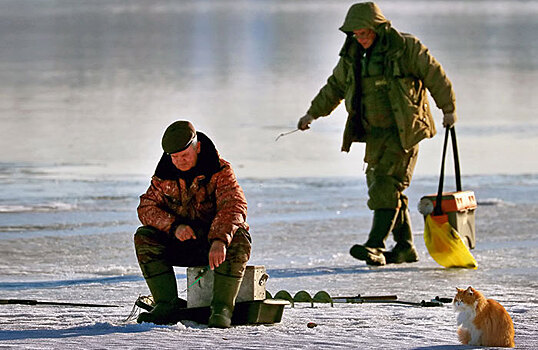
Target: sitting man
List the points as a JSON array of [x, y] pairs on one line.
[[193, 214]]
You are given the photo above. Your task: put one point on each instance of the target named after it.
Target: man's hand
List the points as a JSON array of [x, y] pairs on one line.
[[304, 122], [449, 119], [217, 254], [184, 232]]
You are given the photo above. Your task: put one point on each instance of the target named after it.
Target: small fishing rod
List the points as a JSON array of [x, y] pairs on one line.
[[36, 302], [201, 274], [285, 133], [423, 303]]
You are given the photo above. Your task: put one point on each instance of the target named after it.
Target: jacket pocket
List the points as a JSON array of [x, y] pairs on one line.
[[412, 88], [412, 113]]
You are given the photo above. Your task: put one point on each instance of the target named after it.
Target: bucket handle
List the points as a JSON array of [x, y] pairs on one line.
[[438, 210]]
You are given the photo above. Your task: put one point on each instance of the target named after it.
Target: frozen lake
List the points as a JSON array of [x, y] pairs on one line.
[[88, 88]]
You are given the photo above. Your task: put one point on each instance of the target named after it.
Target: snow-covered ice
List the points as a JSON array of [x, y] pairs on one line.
[[302, 229]]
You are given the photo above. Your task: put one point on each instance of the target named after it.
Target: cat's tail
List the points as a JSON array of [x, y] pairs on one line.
[[464, 335]]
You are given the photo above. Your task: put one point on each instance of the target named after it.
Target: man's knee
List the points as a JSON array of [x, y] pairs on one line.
[[148, 246], [237, 254], [384, 193], [144, 234], [150, 252], [240, 247]]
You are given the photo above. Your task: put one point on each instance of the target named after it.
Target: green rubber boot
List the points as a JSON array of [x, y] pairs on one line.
[[404, 250], [225, 290], [163, 288], [372, 251]]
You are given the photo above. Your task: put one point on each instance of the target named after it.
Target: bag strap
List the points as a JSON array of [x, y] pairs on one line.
[[437, 210]]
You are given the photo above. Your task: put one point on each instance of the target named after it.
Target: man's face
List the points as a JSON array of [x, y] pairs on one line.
[[365, 37], [186, 159]]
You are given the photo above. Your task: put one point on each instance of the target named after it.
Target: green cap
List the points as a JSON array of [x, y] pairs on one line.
[[178, 136]]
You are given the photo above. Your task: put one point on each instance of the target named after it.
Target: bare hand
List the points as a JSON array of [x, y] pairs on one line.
[[184, 232], [217, 254]]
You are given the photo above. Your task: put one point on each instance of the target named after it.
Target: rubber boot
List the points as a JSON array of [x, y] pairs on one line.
[[372, 250], [225, 290], [164, 291], [404, 250]]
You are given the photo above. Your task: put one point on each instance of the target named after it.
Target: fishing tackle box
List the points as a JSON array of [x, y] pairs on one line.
[[459, 205], [460, 208], [251, 307], [200, 293]]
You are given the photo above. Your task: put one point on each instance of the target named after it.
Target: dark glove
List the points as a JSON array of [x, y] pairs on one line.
[[449, 119], [304, 122]]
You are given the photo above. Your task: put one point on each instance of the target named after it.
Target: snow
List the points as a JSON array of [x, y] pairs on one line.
[[302, 237], [83, 98]]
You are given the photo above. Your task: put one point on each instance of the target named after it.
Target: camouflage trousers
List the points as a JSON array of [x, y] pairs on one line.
[[390, 168], [157, 252]]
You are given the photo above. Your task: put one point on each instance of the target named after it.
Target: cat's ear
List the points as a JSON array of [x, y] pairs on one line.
[[470, 290], [459, 289]]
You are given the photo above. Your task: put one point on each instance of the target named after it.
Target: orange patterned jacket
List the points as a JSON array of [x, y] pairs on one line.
[[208, 198]]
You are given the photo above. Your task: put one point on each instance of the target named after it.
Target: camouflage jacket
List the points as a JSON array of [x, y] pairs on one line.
[[208, 198], [410, 69]]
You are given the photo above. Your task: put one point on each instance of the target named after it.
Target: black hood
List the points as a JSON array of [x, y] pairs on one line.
[[208, 163]]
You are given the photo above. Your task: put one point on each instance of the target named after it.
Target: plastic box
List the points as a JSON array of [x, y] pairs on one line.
[[200, 294], [460, 207]]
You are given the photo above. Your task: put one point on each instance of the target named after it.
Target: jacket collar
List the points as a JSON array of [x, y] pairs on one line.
[[208, 163], [391, 40]]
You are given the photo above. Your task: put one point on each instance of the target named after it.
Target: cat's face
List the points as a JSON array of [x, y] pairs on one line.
[[465, 298]]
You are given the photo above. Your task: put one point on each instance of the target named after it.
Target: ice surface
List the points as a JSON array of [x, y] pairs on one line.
[[302, 229], [89, 86]]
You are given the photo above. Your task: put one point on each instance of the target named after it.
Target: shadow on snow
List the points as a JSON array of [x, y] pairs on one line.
[[97, 329]]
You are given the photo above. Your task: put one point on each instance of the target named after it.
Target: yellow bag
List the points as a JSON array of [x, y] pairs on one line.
[[445, 244], [443, 241]]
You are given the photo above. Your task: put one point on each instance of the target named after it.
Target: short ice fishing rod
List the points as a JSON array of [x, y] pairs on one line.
[[285, 133], [198, 277], [35, 302]]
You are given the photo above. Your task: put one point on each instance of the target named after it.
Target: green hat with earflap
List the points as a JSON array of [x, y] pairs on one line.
[[178, 136]]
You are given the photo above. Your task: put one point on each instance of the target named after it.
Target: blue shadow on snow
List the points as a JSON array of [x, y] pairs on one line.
[[274, 273], [94, 330], [67, 283]]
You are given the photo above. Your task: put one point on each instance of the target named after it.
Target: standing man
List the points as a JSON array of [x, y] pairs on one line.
[[383, 75], [193, 214]]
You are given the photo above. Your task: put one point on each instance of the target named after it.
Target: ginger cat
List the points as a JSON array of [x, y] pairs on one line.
[[481, 321]]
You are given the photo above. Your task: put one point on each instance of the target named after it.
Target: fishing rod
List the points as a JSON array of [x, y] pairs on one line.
[[286, 133], [423, 303], [36, 302], [359, 297], [199, 276]]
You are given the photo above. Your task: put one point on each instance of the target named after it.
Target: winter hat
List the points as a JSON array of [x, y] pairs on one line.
[[178, 136]]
